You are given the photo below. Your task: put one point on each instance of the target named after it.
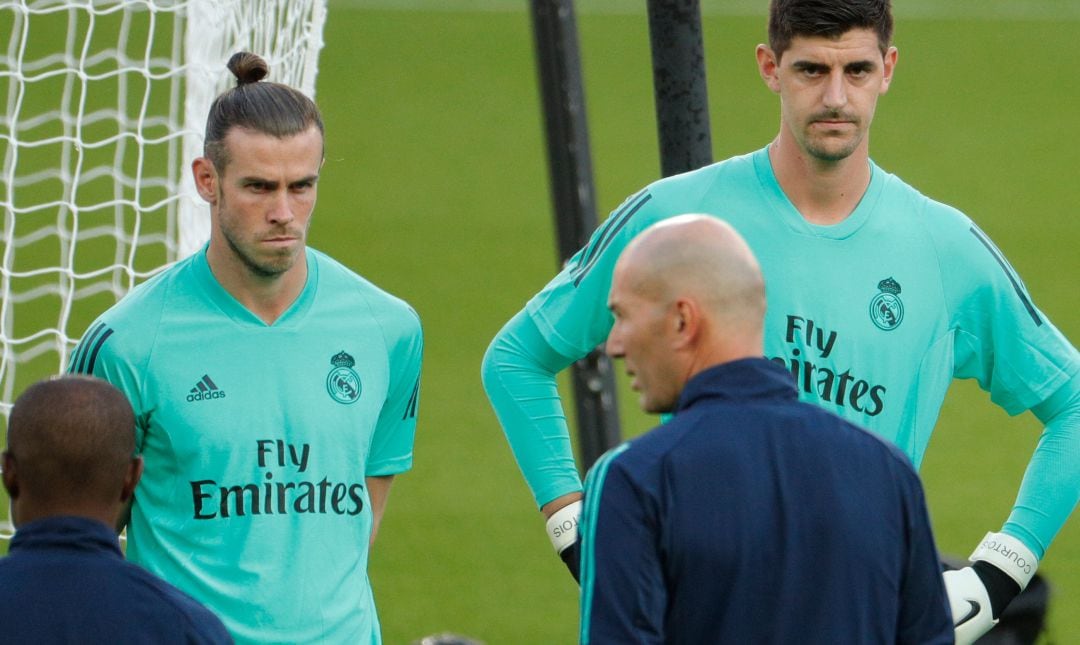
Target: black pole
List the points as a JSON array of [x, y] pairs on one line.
[[682, 102], [563, 95]]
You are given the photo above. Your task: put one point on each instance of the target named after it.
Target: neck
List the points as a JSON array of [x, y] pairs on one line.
[[732, 346], [824, 192], [265, 296], [29, 513]]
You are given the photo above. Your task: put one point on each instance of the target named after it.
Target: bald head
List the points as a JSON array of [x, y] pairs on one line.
[[70, 449], [687, 294], [700, 257]]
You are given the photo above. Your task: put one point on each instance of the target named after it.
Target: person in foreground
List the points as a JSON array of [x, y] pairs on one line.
[[749, 517], [275, 390], [878, 298], [70, 470]]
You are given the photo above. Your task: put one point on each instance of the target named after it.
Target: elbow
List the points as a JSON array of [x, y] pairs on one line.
[[489, 366]]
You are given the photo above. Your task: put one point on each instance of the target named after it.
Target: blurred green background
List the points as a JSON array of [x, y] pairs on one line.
[[436, 188]]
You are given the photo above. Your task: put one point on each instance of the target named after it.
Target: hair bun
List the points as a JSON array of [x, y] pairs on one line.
[[248, 68]]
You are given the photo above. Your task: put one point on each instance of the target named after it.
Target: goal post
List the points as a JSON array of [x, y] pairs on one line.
[[104, 106]]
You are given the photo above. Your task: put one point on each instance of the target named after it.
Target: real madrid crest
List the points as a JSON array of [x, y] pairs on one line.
[[342, 382], [886, 309]]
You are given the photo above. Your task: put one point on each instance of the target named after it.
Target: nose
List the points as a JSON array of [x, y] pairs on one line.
[[835, 91], [279, 210], [613, 347]]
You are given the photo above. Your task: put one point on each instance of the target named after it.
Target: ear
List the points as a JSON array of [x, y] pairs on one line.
[[686, 322], [11, 480], [889, 65], [206, 179], [768, 66], [131, 478]]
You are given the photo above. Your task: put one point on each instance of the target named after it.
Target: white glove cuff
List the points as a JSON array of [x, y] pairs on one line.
[[1008, 554], [562, 526]]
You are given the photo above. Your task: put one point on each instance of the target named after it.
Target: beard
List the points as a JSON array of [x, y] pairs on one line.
[[258, 261], [831, 147], [267, 267]]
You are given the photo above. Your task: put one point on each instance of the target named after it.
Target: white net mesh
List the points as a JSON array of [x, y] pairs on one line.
[[105, 102]]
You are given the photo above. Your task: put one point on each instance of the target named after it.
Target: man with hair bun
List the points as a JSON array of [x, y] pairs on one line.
[[70, 470], [275, 391]]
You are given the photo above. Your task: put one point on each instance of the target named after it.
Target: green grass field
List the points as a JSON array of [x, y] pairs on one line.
[[435, 187]]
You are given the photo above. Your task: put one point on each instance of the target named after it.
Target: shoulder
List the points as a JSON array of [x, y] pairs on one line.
[[690, 187], [193, 616], [645, 456], [339, 281], [938, 218], [128, 327], [149, 297], [963, 251], [354, 295], [684, 193]]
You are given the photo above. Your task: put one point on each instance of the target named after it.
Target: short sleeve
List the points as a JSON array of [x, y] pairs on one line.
[[391, 449], [1002, 339]]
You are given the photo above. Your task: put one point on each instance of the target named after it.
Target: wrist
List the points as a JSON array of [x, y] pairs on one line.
[[1000, 588], [1009, 555], [562, 526]]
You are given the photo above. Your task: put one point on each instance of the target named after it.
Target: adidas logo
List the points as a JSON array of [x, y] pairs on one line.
[[204, 390]]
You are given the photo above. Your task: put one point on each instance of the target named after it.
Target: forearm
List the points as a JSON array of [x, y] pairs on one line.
[[378, 492], [1051, 485], [518, 373], [1004, 563]]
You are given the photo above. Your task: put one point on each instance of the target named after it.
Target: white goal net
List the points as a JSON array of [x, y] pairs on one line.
[[104, 105]]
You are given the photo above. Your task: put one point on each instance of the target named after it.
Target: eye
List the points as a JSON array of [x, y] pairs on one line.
[[859, 71], [811, 70]]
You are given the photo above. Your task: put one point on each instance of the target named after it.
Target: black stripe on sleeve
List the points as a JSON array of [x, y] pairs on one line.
[[78, 360], [979, 235], [94, 354], [606, 226], [609, 235], [414, 400]]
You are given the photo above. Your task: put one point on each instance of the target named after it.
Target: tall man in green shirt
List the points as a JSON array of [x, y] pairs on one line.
[[877, 298]]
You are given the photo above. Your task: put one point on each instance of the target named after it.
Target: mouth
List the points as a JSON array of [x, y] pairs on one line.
[[832, 121], [280, 240]]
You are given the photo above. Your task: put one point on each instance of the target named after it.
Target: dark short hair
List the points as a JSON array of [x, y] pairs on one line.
[[269, 108], [828, 18], [73, 438]]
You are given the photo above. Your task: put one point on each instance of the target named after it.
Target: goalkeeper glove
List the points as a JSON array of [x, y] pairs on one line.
[[1001, 568], [562, 529]]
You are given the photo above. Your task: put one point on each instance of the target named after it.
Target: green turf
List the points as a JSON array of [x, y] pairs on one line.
[[439, 136], [435, 187]]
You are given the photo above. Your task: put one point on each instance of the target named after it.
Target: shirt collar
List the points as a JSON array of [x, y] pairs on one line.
[[747, 378], [66, 531]]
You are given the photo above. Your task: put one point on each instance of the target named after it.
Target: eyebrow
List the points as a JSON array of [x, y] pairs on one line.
[[853, 66], [310, 179]]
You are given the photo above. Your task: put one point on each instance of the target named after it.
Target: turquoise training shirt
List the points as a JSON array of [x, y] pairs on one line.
[[258, 439], [873, 317]]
